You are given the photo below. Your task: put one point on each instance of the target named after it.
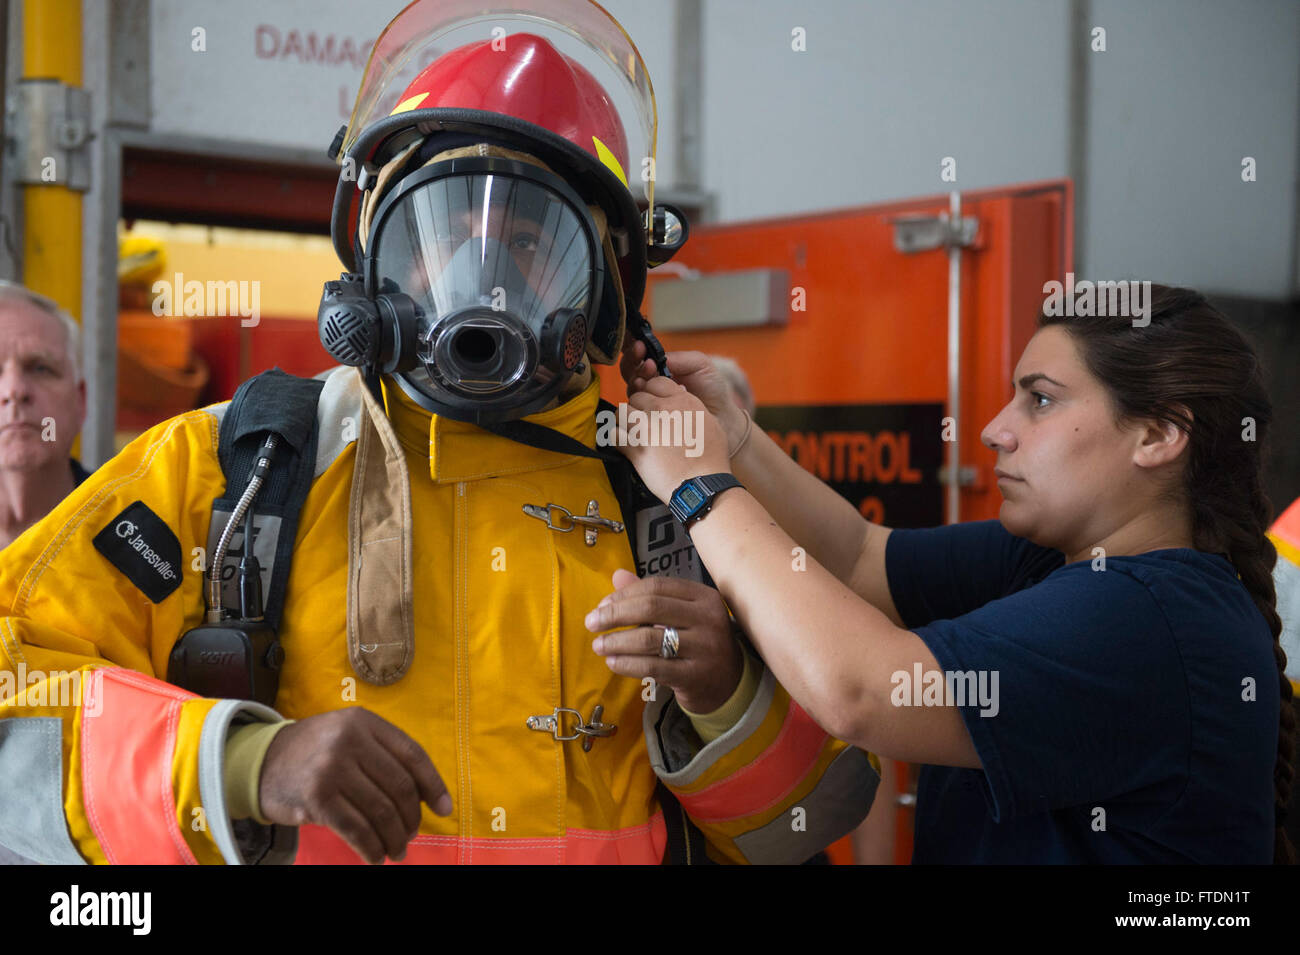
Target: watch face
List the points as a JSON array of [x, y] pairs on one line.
[[690, 498]]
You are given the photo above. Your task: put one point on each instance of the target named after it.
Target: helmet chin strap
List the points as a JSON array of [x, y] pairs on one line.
[[370, 375]]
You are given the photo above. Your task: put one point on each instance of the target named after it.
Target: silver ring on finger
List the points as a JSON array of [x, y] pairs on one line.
[[672, 643]]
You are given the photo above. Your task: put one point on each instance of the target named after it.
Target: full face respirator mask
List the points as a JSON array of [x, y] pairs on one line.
[[483, 279]]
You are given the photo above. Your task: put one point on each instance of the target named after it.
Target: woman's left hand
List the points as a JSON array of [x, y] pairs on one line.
[[710, 660], [664, 468]]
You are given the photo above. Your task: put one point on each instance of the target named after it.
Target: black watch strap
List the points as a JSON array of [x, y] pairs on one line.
[[717, 483]]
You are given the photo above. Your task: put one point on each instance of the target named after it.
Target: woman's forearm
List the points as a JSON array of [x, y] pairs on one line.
[[819, 520], [799, 617], [836, 654]]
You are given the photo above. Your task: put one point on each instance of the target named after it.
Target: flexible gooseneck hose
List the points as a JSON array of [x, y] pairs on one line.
[[216, 612]]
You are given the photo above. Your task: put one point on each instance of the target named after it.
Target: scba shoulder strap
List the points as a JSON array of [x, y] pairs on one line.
[[285, 405], [235, 653]]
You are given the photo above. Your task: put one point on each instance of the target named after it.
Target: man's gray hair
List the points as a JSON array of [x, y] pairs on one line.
[[14, 292]]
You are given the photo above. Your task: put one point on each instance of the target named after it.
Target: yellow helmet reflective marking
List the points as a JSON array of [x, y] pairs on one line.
[[407, 105], [610, 160]]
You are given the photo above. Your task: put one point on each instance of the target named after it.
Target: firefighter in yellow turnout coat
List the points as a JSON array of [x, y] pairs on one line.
[[432, 583]]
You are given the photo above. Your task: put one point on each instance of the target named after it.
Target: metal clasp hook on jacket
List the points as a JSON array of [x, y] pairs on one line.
[[591, 523], [550, 723]]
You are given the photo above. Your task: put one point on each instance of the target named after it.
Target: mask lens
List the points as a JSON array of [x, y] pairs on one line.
[[492, 241]]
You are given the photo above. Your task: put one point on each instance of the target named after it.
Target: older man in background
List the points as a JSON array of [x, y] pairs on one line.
[[42, 408]]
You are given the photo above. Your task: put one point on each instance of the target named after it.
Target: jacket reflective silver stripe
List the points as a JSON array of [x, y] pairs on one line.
[[31, 791], [212, 752]]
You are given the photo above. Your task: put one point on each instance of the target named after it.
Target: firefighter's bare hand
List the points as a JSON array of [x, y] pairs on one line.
[[710, 660], [693, 371], [356, 773]]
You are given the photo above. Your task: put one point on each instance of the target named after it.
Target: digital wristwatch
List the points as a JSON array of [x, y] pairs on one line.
[[694, 496]]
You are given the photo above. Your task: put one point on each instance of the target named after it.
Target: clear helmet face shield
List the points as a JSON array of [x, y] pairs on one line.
[[580, 29], [504, 265]]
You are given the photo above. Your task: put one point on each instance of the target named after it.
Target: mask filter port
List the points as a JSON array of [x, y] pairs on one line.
[[475, 347], [482, 355]]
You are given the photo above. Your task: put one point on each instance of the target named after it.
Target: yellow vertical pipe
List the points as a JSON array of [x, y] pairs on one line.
[[52, 212]]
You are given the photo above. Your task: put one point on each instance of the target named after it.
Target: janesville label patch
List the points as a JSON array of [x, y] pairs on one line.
[[145, 549]]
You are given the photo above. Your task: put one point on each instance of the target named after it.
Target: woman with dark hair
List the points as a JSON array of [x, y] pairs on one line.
[[1095, 676]]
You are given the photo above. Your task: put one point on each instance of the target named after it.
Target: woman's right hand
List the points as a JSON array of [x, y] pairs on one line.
[[693, 371]]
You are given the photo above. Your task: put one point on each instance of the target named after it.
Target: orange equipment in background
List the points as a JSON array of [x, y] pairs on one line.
[[172, 363], [158, 374]]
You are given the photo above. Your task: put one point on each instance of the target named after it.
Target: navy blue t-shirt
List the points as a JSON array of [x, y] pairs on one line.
[[1122, 700]]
